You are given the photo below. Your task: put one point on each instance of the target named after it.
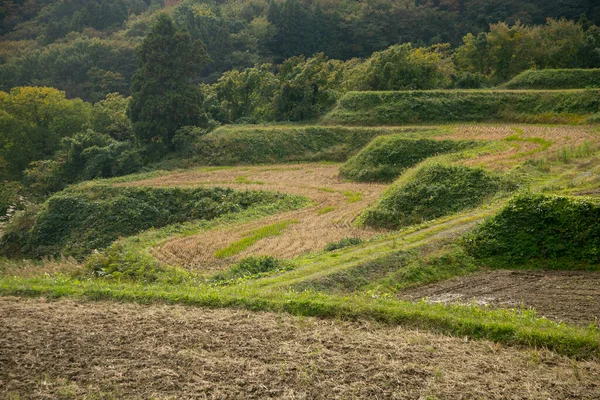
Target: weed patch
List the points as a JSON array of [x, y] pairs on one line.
[[326, 210], [352, 197], [421, 271], [345, 242], [252, 268]]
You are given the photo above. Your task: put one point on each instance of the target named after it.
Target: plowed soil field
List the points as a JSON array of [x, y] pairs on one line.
[[70, 350], [570, 296]]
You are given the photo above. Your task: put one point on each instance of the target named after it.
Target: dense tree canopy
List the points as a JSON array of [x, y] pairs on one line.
[[164, 95], [87, 47], [33, 120]]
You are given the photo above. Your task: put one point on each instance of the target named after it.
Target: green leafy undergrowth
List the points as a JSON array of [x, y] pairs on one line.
[[81, 219], [547, 231], [384, 159], [345, 242], [358, 277], [253, 267], [121, 263], [432, 191], [424, 270]]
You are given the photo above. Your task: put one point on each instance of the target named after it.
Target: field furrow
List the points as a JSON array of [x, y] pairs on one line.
[[335, 206]]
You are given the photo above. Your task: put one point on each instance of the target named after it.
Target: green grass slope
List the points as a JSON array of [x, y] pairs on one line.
[[432, 191], [384, 159], [551, 231], [411, 107], [233, 145], [555, 79]]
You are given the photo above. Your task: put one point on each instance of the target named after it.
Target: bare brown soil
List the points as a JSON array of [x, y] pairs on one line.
[[67, 350], [570, 296], [337, 204]]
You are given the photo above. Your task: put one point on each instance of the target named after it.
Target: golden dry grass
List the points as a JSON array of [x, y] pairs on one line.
[[559, 136], [47, 266], [313, 231], [71, 350]]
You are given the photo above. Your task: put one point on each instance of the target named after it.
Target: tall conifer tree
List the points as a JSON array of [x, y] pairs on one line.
[[164, 96]]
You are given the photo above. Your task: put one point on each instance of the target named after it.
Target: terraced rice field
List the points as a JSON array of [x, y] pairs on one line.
[[335, 206], [524, 141]]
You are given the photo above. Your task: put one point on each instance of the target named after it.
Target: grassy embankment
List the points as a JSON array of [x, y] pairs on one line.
[[555, 79], [415, 107]]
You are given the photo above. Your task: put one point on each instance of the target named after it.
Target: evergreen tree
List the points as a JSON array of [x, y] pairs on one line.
[[163, 95]]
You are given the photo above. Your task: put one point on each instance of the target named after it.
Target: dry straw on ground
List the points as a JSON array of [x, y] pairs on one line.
[[313, 230], [70, 350]]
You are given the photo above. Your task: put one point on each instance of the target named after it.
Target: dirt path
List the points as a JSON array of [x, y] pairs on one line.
[[561, 295], [337, 204], [66, 350]]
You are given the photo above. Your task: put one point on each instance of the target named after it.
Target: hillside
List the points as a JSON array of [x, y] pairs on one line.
[[294, 199]]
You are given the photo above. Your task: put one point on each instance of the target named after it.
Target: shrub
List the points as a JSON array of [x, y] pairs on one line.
[[253, 266], [345, 242], [539, 227], [431, 192], [403, 67], [9, 198], [122, 264], [79, 220], [16, 231], [84, 156], [396, 108], [555, 79], [386, 157]]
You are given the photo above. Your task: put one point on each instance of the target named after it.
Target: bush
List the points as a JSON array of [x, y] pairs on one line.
[[122, 264], [9, 198], [384, 159], [233, 145], [79, 220], [555, 79], [345, 242], [539, 227], [16, 231], [85, 156], [403, 67], [397, 108], [253, 266], [470, 81], [432, 192]]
